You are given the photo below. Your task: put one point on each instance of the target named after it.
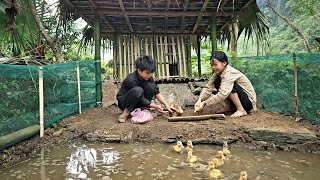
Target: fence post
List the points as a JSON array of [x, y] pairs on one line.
[[296, 86], [41, 101], [79, 91]]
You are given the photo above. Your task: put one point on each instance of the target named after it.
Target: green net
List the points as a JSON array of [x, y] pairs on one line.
[[19, 107], [274, 81]]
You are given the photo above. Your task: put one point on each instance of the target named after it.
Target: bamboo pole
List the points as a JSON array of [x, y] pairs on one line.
[[162, 57], [120, 57], [139, 46], [166, 54], [184, 56], [125, 56], [41, 102], [179, 57], [132, 54], [296, 86], [146, 45], [97, 58], [196, 118], [174, 52], [158, 57], [79, 87], [115, 57], [199, 54], [213, 33], [189, 57]]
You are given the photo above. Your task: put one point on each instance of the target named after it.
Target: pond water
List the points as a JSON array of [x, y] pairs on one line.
[[157, 161]]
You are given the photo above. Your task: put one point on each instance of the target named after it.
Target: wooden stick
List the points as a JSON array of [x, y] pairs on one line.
[[79, 87], [41, 101], [196, 118]]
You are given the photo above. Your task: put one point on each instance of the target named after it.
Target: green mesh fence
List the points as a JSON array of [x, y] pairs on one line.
[[19, 107], [274, 81]]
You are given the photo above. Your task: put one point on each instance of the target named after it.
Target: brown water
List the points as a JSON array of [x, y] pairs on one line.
[[156, 161]]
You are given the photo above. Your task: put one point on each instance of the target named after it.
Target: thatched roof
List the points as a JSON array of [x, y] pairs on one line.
[[158, 16]]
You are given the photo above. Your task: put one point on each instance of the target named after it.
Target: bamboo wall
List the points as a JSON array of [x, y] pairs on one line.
[[172, 54]]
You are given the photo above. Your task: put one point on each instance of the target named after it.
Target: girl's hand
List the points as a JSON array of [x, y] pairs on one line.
[[157, 107], [199, 107], [170, 108]]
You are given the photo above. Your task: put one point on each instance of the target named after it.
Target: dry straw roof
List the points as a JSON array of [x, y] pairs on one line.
[[158, 16]]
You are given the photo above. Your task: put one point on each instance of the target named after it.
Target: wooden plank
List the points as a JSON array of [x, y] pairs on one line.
[[196, 118], [166, 55], [179, 57], [183, 45]]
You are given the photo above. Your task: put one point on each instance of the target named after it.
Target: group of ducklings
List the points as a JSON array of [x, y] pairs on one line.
[[213, 164]]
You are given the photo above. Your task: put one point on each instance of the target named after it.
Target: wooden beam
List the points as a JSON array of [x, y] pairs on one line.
[[157, 13], [242, 8], [104, 18], [104, 33], [166, 18], [150, 18], [204, 7], [79, 12], [125, 15], [185, 5]]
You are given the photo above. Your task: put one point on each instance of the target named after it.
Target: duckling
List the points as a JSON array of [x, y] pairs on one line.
[[179, 110], [191, 158], [243, 175], [178, 148], [189, 146], [225, 149], [212, 172], [219, 161]]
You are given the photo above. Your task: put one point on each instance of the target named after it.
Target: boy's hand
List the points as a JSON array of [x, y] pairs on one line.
[[157, 107]]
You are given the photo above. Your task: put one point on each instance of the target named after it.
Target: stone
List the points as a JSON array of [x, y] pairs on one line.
[[281, 136], [57, 133]]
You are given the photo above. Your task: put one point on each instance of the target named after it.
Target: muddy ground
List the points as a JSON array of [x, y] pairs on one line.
[[261, 130]]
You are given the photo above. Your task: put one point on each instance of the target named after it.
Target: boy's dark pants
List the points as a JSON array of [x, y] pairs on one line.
[[137, 97]]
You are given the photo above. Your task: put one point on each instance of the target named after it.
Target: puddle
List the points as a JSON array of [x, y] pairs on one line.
[[157, 161]]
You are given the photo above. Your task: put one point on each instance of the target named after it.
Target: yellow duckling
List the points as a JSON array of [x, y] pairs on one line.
[[191, 158], [212, 172], [243, 175], [179, 111], [225, 149], [189, 146], [219, 161], [178, 148]]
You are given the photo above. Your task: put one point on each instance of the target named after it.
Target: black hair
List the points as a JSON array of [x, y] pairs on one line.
[[220, 56], [146, 63]]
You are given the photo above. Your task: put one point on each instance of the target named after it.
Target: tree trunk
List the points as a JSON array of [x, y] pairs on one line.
[[56, 50], [300, 33]]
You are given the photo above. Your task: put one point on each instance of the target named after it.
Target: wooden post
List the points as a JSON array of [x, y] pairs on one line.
[[296, 86], [189, 64], [79, 87], [158, 58], [213, 33], [162, 57], [97, 58], [41, 101], [125, 56], [132, 54], [199, 54]]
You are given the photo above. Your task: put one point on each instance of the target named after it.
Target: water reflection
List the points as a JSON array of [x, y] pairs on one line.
[[81, 158]]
